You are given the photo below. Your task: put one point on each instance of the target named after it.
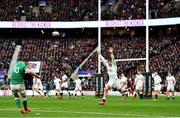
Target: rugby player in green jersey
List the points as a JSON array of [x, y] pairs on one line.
[[17, 83]]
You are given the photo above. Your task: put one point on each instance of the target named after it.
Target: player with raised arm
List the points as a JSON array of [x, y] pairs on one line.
[[64, 85], [170, 83], [57, 82], [78, 87], [17, 83], [139, 84], [157, 84], [112, 72]]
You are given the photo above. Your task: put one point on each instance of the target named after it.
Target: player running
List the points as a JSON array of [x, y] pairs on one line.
[[123, 86], [139, 84], [170, 83], [113, 78], [17, 83], [78, 87], [57, 82], [157, 84], [64, 85]]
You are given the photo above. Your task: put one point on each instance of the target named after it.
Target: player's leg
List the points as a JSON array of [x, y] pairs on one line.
[[67, 89], [172, 89], [75, 92], [141, 94], [135, 92], [80, 89], [23, 95], [106, 89], [167, 92], [16, 95]]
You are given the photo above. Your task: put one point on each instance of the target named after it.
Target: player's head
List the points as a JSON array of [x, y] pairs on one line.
[[138, 72], [26, 61], [155, 73], [109, 63], [169, 73], [122, 75]]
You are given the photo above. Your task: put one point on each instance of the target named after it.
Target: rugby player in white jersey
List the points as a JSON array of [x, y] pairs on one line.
[[157, 84], [78, 87], [170, 83], [38, 86], [64, 85], [34, 86], [123, 86], [113, 82], [139, 84], [57, 82]]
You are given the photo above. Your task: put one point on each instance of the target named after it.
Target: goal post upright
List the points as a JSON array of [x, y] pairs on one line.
[[147, 36]]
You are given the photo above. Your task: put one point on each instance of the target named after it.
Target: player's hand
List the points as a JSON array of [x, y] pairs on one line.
[[98, 51], [110, 49]]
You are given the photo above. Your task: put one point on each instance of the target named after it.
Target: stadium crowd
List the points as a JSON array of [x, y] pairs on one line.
[[123, 9], [164, 8], [60, 55], [7, 47], [48, 10]]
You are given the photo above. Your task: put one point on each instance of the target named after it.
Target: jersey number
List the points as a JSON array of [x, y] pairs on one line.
[[16, 69]]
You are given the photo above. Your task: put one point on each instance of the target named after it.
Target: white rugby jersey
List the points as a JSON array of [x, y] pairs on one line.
[[157, 80], [77, 82], [139, 80], [111, 70], [170, 80]]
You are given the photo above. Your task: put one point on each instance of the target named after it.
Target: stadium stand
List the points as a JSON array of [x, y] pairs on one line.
[[51, 10], [123, 9], [164, 8]]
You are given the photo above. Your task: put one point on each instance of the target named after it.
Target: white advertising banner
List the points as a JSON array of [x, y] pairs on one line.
[[35, 66]]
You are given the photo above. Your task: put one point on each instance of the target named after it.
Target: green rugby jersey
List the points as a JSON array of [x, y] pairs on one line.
[[18, 72]]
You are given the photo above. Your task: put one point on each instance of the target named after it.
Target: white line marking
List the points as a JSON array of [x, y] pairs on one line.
[[91, 113]]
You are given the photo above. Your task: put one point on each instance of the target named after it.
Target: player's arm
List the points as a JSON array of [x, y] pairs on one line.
[[103, 60], [174, 81], [29, 71], [112, 56], [166, 82]]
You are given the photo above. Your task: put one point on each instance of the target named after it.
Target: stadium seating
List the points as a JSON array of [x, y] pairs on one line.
[[52, 10], [57, 55], [123, 9], [7, 47], [164, 8]]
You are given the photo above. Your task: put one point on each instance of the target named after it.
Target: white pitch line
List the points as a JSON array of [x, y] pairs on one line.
[[97, 113]]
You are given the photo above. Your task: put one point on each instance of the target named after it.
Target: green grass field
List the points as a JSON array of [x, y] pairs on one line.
[[88, 107]]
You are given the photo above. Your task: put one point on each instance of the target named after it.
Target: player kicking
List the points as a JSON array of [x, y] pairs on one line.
[[17, 83], [78, 87], [113, 78], [57, 82], [170, 83], [64, 85], [157, 85], [139, 84]]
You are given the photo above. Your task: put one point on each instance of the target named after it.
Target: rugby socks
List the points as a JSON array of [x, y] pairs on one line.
[[173, 97], [134, 95], [82, 94], [75, 95], [156, 96], [61, 94], [104, 99], [140, 95], [25, 103], [56, 94], [18, 103], [69, 93]]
